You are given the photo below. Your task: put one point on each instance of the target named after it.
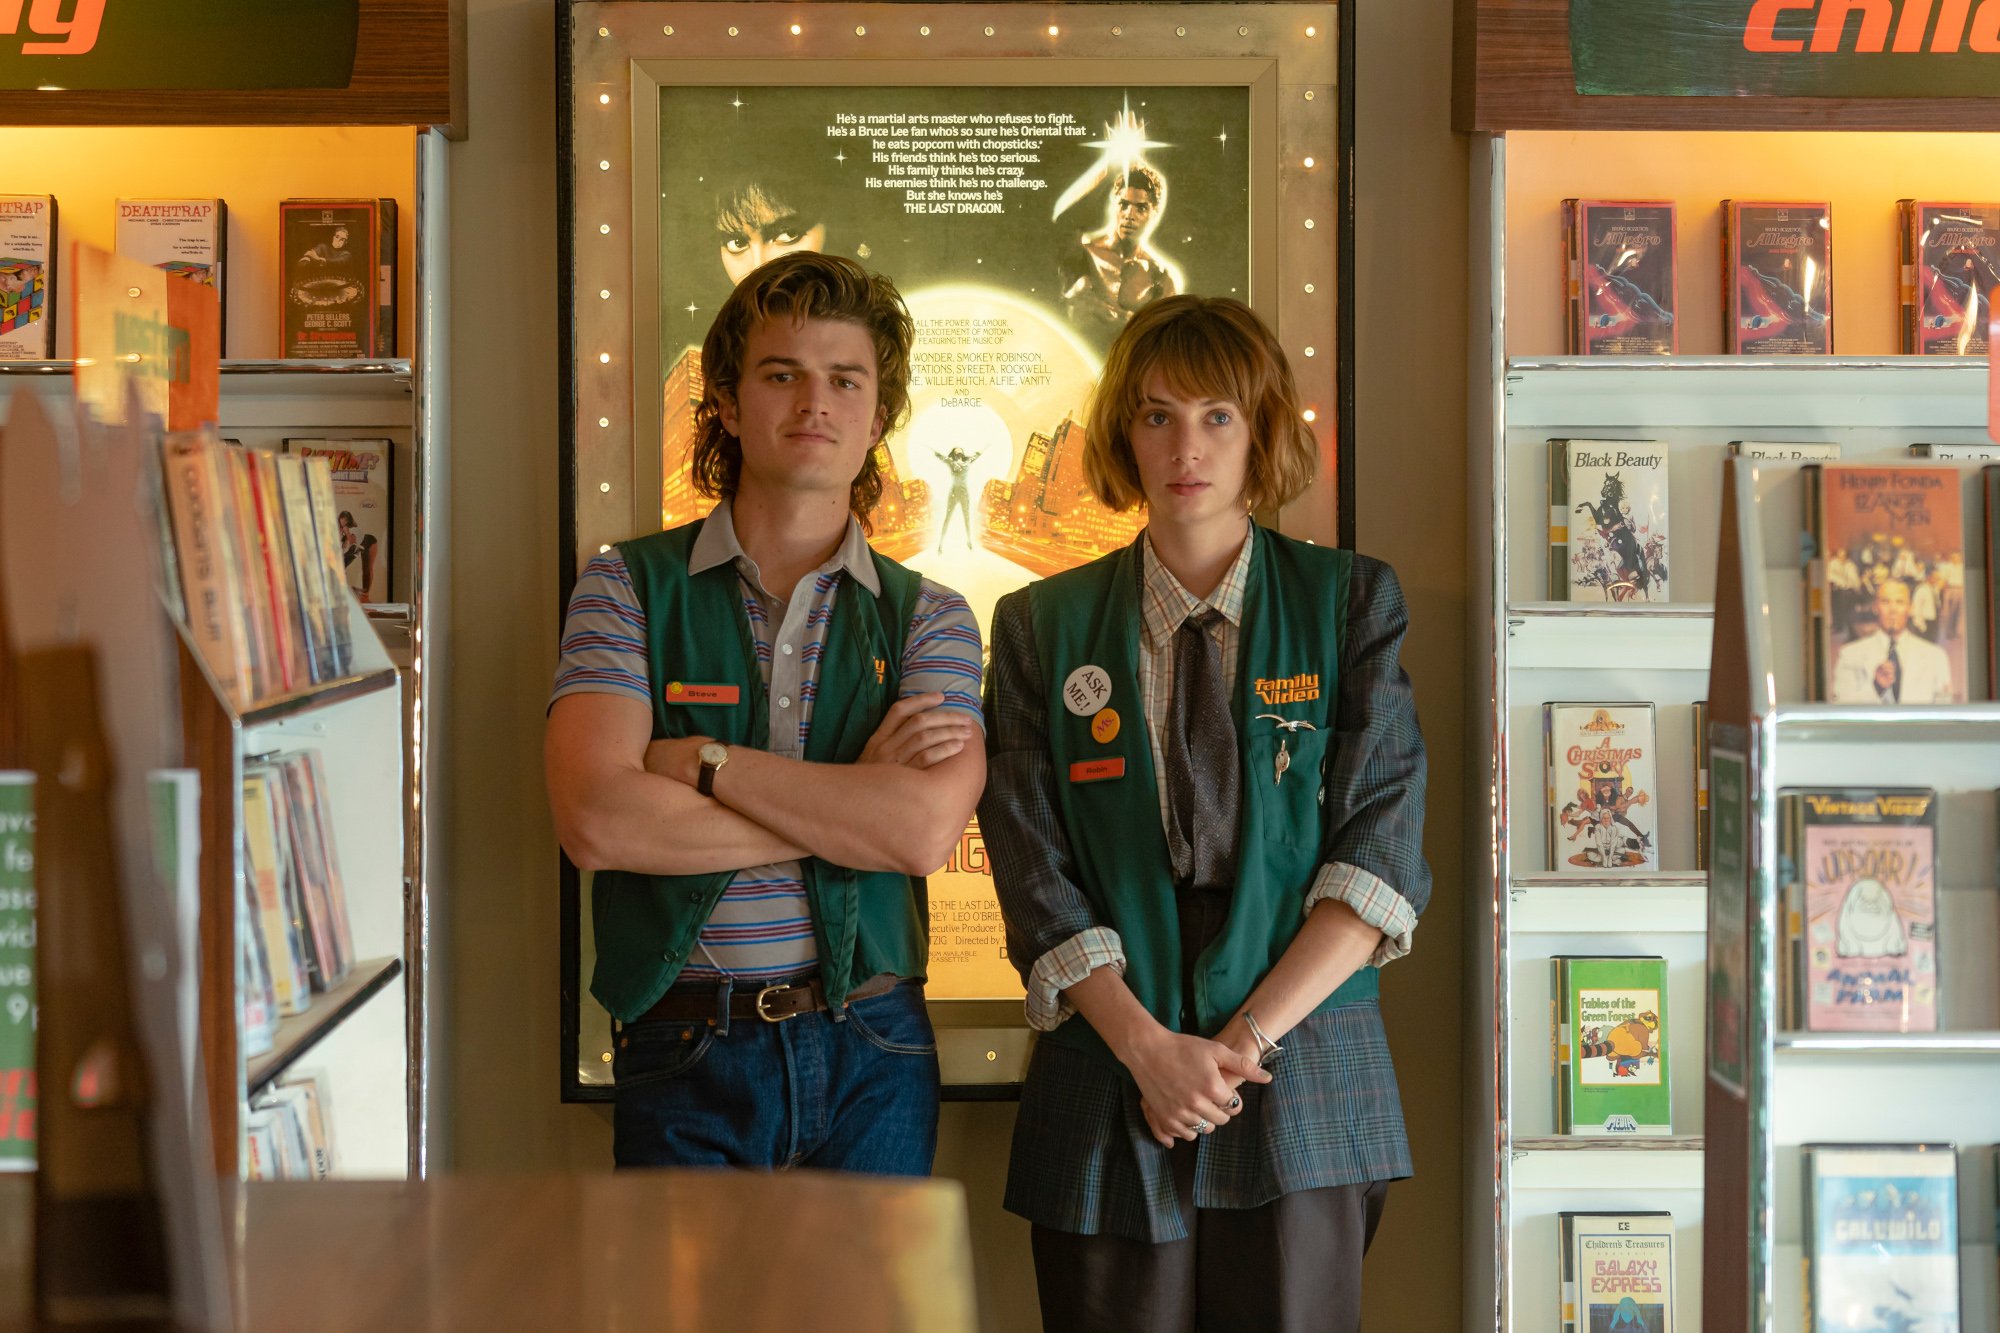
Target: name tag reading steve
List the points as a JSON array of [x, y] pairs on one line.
[[689, 692]]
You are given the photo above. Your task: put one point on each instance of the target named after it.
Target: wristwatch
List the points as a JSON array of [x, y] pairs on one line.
[[713, 756]]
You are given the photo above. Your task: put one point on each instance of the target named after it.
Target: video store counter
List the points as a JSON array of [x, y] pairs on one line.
[[663, 1251], [666, 1250]]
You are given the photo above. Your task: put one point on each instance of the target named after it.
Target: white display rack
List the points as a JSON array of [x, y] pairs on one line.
[[1530, 649], [1821, 1087]]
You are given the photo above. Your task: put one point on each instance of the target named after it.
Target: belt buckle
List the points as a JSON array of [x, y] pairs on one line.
[[764, 1014]]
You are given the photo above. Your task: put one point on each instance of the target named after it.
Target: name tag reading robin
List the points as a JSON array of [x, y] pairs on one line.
[[690, 692], [1096, 770]]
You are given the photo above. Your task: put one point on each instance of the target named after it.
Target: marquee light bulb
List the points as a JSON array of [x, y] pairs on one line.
[[1310, 415], [604, 99], [796, 30], [604, 358]]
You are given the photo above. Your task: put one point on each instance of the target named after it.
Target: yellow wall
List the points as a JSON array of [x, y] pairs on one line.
[[88, 169], [1863, 175], [501, 899]]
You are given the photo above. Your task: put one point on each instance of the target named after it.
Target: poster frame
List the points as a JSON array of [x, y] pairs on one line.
[[612, 56]]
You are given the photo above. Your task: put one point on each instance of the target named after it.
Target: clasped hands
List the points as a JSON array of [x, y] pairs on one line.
[[917, 732], [1186, 1082]]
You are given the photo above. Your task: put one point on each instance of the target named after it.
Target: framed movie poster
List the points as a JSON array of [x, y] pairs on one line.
[[1029, 176]]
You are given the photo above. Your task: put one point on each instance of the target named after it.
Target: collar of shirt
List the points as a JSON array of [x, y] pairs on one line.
[[717, 543], [1164, 603]]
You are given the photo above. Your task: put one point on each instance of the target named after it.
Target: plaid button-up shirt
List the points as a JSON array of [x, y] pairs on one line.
[[1083, 1159]]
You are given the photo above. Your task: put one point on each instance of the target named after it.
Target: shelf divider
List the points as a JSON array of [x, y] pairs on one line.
[[301, 1032]]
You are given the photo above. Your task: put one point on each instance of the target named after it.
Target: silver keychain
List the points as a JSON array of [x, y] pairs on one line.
[[1283, 759]]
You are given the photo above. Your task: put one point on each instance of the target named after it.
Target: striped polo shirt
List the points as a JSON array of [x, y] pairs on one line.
[[761, 928]]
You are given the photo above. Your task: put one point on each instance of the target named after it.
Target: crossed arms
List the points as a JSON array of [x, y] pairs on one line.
[[626, 802]]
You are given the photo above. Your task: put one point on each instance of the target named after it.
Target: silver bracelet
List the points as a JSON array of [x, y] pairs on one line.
[[1266, 1048]]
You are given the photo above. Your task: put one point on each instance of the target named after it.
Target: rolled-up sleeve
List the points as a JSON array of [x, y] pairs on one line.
[[1374, 860], [1053, 936]]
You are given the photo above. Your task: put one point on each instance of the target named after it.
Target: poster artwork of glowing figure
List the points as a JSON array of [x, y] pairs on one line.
[[1024, 226]]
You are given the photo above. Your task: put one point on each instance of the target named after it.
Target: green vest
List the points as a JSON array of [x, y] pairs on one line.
[[1294, 616], [865, 922]]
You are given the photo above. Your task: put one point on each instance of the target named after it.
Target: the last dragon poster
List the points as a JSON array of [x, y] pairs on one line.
[[1024, 226]]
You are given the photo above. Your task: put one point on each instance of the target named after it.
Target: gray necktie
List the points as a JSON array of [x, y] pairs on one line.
[[1204, 781]]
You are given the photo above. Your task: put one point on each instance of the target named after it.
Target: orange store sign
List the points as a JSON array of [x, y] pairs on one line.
[[1787, 48], [189, 44], [50, 33]]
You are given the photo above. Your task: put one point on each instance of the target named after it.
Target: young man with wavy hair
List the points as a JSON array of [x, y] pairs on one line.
[[764, 734]]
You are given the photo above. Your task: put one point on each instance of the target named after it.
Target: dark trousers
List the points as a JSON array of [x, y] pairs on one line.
[[1290, 1266]]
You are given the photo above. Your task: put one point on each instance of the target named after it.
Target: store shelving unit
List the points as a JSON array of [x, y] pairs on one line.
[[1533, 650], [385, 718], [1807, 1087], [358, 1031]]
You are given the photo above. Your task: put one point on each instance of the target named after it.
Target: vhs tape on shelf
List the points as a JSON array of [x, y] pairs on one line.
[[1777, 263]]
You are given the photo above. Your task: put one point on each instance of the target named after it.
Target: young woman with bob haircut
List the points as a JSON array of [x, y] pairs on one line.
[[1205, 806]]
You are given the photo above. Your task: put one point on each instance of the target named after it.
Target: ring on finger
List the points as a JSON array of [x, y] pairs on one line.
[[1235, 1103], [1204, 1126]]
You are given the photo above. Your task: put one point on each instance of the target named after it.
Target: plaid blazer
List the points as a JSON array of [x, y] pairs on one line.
[[1083, 1160]]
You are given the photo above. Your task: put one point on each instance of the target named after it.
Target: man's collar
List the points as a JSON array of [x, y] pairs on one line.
[[717, 544]]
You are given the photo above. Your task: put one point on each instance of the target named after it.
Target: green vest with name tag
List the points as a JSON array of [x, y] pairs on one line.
[[1294, 616], [697, 634]]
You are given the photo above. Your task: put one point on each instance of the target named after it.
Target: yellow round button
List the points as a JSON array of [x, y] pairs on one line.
[[675, 687], [1104, 726]]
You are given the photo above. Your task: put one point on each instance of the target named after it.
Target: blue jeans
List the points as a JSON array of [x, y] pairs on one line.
[[856, 1095]]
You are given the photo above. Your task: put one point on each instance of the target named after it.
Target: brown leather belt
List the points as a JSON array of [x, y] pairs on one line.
[[773, 1004]]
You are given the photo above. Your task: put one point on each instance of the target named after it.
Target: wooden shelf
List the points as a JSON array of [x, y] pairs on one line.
[[301, 1032], [327, 693]]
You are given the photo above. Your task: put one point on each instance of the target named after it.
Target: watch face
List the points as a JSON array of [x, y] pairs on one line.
[[714, 753]]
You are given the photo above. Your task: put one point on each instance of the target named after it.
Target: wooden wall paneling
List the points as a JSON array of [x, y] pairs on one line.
[[409, 69], [209, 741]]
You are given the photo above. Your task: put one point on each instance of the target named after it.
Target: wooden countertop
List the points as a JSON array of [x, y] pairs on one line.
[[660, 1251]]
